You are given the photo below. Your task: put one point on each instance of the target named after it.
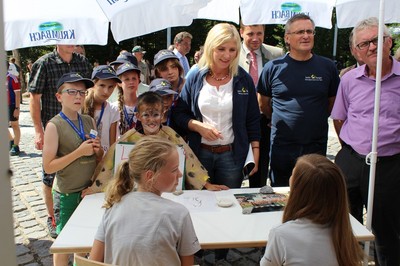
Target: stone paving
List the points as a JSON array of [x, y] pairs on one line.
[[32, 241]]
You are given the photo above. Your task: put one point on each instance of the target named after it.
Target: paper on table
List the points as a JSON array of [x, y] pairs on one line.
[[249, 163], [197, 202]]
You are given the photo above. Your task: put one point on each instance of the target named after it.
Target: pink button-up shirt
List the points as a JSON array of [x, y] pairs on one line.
[[355, 106]]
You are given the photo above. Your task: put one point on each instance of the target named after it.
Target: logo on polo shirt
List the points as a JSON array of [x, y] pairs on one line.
[[313, 77], [243, 91]]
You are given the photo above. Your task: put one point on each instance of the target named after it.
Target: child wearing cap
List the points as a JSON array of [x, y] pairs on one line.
[[164, 88], [69, 152], [96, 105], [167, 66], [129, 74], [150, 113], [126, 57]]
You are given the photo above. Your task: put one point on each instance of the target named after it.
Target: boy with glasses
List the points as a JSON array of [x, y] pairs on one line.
[[69, 151]]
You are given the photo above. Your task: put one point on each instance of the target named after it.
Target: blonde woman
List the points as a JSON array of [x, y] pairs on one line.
[[218, 107]]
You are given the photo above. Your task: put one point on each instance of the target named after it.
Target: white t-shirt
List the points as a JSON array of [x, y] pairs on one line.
[[216, 107], [146, 229], [12, 69], [110, 115], [130, 114], [300, 242]]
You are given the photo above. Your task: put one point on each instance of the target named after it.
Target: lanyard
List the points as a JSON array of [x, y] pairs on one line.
[[101, 114], [128, 119], [80, 131]]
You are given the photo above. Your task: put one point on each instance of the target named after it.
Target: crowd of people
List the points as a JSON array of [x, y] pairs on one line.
[[241, 96]]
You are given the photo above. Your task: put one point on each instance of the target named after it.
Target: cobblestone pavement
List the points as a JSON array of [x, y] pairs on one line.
[[31, 238]]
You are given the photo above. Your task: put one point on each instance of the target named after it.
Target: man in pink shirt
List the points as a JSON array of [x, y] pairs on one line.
[[353, 118]]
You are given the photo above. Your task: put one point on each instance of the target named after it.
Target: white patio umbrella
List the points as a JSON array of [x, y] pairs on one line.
[[135, 18], [30, 23], [279, 11], [222, 10]]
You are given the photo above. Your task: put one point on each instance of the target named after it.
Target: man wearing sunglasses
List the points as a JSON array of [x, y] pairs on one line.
[[353, 114], [43, 105], [297, 91]]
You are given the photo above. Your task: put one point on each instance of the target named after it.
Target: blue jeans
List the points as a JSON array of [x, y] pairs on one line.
[[283, 159], [221, 168]]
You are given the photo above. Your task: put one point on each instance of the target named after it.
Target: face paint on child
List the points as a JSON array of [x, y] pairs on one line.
[[150, 116]]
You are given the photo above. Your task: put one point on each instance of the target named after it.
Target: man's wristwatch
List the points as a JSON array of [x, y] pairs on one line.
[[17, 108]]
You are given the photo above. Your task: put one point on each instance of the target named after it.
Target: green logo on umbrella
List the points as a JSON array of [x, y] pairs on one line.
[[288, 10], [52, 31], [52, 25], [293, 7]]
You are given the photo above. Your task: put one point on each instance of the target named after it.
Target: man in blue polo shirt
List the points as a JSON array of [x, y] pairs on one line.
[[297, 91]]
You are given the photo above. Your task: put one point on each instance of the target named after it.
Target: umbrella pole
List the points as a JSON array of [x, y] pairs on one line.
[[335, 36], [371, 159], [7, 251], [168, 37]]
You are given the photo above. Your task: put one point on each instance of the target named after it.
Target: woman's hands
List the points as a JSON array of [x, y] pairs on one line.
[[207, 131]]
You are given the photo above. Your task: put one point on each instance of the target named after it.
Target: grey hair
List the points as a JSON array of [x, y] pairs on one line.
[[182, 35], [297, 17], [368, 23]]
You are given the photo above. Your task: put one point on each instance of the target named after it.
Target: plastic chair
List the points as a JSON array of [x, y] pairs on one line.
[[81, 261]]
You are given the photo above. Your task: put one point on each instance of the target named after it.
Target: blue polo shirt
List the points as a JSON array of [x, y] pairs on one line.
[[299, 92]]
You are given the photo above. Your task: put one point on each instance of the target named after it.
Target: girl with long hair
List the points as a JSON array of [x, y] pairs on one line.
[[129, 74], [316, 227], [141, 227], [96, 105]]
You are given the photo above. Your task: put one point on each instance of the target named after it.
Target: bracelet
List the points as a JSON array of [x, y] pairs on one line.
[[255, 147], [16, 108]]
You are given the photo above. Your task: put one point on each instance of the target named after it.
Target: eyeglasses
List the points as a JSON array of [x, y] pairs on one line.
[[302, 32], [74, 92], [365, 45]]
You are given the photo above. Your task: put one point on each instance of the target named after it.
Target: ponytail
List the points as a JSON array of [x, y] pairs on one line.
[[150, 153], [120, 185], [122, 127]]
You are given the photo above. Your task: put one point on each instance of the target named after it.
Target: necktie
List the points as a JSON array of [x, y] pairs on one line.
[[253, 70]]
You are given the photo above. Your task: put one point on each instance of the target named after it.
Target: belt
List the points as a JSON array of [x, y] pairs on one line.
[[362, 157], [216, 148]]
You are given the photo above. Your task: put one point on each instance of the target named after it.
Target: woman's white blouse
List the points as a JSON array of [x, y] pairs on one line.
[[216, 108]]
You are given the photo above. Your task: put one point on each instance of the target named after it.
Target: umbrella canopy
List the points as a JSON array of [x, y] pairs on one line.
[[224, 10], [278, 12], [30, 23], [43, 22], [135, 18], [346, 17]]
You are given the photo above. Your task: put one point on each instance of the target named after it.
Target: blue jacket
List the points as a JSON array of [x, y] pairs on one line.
[[246, 113]]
